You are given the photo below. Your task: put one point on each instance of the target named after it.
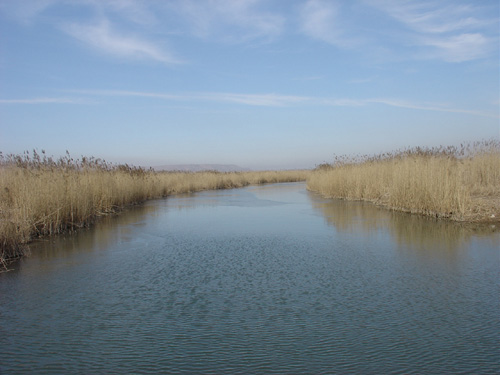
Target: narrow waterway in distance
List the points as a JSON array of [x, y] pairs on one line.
[[264, 279]]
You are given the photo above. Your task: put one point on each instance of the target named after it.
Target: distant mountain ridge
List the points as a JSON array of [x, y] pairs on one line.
[[201, 167]]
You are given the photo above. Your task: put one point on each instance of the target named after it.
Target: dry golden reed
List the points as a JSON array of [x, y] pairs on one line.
[[40, 196], [459, 183]]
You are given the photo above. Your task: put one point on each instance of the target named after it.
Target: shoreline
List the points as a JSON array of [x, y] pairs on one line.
[[43, 198], [432, 215], [459, 184]]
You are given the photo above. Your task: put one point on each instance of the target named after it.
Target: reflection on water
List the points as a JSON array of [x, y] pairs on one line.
[[264, 279], [422, 234], [108, 231]]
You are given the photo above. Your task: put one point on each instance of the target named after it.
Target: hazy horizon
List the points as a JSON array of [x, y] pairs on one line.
[[258, 84]]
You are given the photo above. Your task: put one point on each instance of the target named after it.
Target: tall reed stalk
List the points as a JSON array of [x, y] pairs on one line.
[[459, 183], [41, 196]]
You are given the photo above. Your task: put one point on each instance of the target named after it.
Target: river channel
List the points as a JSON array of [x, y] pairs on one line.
[[264, 279]]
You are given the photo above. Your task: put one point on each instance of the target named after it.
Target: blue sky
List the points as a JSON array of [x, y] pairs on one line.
[[264, 84]]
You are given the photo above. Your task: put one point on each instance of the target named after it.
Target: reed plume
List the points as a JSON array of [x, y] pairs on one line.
[[457, 182]]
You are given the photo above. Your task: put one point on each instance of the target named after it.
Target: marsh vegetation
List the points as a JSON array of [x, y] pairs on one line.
[[458, 183], [41, 196]]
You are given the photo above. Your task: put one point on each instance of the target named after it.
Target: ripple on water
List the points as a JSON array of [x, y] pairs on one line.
[[301, 297]]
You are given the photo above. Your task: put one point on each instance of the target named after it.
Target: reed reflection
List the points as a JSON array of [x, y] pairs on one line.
[[422, 234], [109, 231]]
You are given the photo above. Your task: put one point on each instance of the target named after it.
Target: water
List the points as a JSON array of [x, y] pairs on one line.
[[267, 279]]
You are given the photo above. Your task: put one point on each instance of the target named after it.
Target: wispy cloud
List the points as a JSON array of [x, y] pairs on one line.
[[434, 29], [259, 100], [342, 102], [444, 30], [101, 25], [266, 100], [229, 20], [320, 19], [280, 100], [27, 11], [102, 37], [138, 12], [43, 101], [400, 103], [458, 48], [430, 16], [428, 107]]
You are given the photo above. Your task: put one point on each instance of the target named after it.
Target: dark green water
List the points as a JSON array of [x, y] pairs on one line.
[[268, 279]]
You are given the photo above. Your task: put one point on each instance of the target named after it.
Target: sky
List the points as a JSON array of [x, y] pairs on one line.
[[263, 84]]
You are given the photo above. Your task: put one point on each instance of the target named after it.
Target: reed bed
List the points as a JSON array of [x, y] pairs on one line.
[[42, 196], [458, 183]]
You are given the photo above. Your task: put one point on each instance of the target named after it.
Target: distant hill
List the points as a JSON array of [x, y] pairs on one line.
[[201, 167]]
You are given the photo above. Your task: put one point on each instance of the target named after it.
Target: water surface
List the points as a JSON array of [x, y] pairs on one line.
[[264, 279]]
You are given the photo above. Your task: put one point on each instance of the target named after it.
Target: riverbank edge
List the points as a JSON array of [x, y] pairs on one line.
[[457, 183], [21, 249], [472, 219]]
